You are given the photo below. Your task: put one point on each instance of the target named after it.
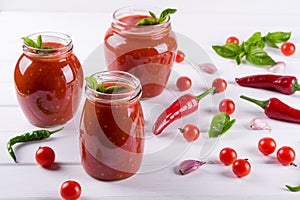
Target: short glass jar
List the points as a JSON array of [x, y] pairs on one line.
[[112, 127], [48, 81], [148, 52]]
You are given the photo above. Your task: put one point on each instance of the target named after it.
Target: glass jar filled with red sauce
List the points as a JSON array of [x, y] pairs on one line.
[[148, 52], [112, 127], [49, 81]]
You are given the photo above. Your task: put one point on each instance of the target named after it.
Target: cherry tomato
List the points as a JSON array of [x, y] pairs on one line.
[[190, 132], [232, 39], [183, 83], [227, 106], [220, 85], [227, 156], [267, 145], [179, 56], [241, 167], [288, 48], [70, 190], [286, 155], [45, 156]]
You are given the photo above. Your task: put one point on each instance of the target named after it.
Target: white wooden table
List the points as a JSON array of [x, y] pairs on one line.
[[206, 23]]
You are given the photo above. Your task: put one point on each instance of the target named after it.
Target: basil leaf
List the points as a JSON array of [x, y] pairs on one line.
[[254, 40], [258, 56], [230, 50], [92, 81], [153, 16], [114, 89], [145, 22], [30, 42], [101, 88], [239, 57], [165, 14], [39, 42], [277, 37], [271, 43], [220, 124]]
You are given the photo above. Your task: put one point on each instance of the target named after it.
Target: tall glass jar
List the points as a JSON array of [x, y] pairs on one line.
[[49, 81], [148, 52], [112, 127]]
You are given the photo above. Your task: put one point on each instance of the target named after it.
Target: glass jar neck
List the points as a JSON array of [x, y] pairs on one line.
[[126, 27], [119, 78], [60, 44]]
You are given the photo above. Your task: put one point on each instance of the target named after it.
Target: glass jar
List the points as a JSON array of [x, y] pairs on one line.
[[148, 52], [112, 128], [49, 81]]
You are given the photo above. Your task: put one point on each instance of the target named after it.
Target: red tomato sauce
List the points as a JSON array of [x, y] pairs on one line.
[[148, 56], [49, 89], [112, 138]]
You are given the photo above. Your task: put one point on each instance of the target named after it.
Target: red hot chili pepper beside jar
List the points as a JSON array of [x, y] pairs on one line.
[[276, 109], [48, 79], [283, 84], [183, 106]]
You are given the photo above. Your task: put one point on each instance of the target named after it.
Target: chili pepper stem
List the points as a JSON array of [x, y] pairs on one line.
[[55, 131], [296, 87], [293, 188], [260, 103], [207, 92]]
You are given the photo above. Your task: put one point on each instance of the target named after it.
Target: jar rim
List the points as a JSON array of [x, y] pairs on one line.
[[49, 36], [119, 77], [136, 10]]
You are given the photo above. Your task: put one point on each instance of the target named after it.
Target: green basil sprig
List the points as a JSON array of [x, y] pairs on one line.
[[253, 48], [220, 124], [100, 87], [38, 44], [154, 20]]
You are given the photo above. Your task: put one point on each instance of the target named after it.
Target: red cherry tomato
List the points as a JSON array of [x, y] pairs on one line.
[[220, 85], [232, 39], [70, 190], [288, 48], [45, 156], [227, 156], [190, 132], [179, 56], [183, 83], [286, 155], [267, 145], [241, 167], [227, 106]]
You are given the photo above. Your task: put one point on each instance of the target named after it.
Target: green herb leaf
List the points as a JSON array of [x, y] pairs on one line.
[[29, 41], [39, 42], [276, 37], [239, 57], [230, 50], [92, 81], [220, 124], [153, 20], [100, 88], [114, 89], [258, 56], [165, 14], [254, 40]]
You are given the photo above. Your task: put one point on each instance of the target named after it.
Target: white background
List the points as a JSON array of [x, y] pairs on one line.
[[206, 23]]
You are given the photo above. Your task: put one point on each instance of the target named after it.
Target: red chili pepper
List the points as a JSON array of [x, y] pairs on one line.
[[283, 84], [276, 109], [183, 106]]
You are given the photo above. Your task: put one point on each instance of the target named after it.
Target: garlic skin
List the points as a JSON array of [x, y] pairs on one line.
[[189, 166], [278, 67], [208, 68], [259, 123]]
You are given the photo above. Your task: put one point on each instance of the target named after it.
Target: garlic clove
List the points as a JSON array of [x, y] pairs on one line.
[[259, 123], [189, 166], [208, 68], [278, 67]]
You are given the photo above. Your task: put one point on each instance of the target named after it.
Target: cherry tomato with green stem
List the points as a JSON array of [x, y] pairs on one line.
[[219, 84], [227, 156], [227, 106], [288, 48], [232, 39], [190, 132], [267, 145], [45, 156], [183, 83], [70, 190], [241, 167], [179, 56], [286, 155]]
